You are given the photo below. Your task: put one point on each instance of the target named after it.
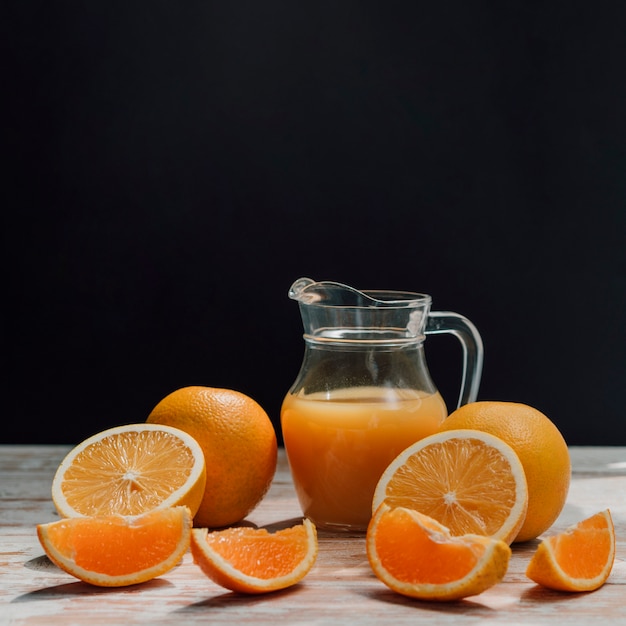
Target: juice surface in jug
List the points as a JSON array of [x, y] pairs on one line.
[[340, 442]]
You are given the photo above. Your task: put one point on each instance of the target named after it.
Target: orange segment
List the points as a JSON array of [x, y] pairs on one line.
[[469, 481], [116, 550], [253, 560], [129, 470], [416, 556], [578, 559]]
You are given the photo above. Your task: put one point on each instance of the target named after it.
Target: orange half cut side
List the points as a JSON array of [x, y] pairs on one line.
[[469, 481], [129, 470]]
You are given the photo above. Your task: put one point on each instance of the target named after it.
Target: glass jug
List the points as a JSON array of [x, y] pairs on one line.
[[363, 393]]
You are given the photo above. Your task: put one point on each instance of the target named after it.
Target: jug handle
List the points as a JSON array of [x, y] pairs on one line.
[[440, 322]]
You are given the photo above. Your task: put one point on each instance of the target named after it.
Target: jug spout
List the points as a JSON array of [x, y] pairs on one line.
[[297, 291], [329, 293]]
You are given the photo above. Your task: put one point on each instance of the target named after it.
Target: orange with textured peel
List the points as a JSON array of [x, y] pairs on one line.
[[540, 447], [129, 470], [117, 550], [417, 557], [253, 560], [239, 445], [469, 481], [578, 559]]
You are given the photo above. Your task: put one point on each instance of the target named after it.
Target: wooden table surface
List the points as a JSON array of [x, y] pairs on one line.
[[340, 589]]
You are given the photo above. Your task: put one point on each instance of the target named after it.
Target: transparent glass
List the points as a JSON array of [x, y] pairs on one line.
[[363, 393]]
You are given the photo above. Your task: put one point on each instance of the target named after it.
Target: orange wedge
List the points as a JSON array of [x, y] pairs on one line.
[[117, 550], [129, 470], [253, 560], [578, 559], [467, 480], [416, 556]]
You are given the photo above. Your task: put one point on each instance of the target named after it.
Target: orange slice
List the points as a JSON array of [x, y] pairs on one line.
[[417, 556], [253, 560], [469, 481], [578, 559], [130, 470], [117, 550]]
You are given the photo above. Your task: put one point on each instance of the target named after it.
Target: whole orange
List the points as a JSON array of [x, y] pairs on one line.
[[239, 444], [540, 447]]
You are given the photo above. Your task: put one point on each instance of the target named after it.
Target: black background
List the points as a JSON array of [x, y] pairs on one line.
[[175, 166]]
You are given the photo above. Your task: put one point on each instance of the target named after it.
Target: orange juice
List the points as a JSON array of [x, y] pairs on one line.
[[339, 443]]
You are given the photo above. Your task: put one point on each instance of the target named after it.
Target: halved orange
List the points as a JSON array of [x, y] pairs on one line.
[[253, 560], [417, 556], [541, 449], [467, 480], [130, 470], [579, 559], [117, 550]]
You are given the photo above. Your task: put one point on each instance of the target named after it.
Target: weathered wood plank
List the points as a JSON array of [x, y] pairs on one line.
[[341, 588]]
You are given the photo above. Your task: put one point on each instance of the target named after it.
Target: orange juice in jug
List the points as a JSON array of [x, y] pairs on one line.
[[339, 444]]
